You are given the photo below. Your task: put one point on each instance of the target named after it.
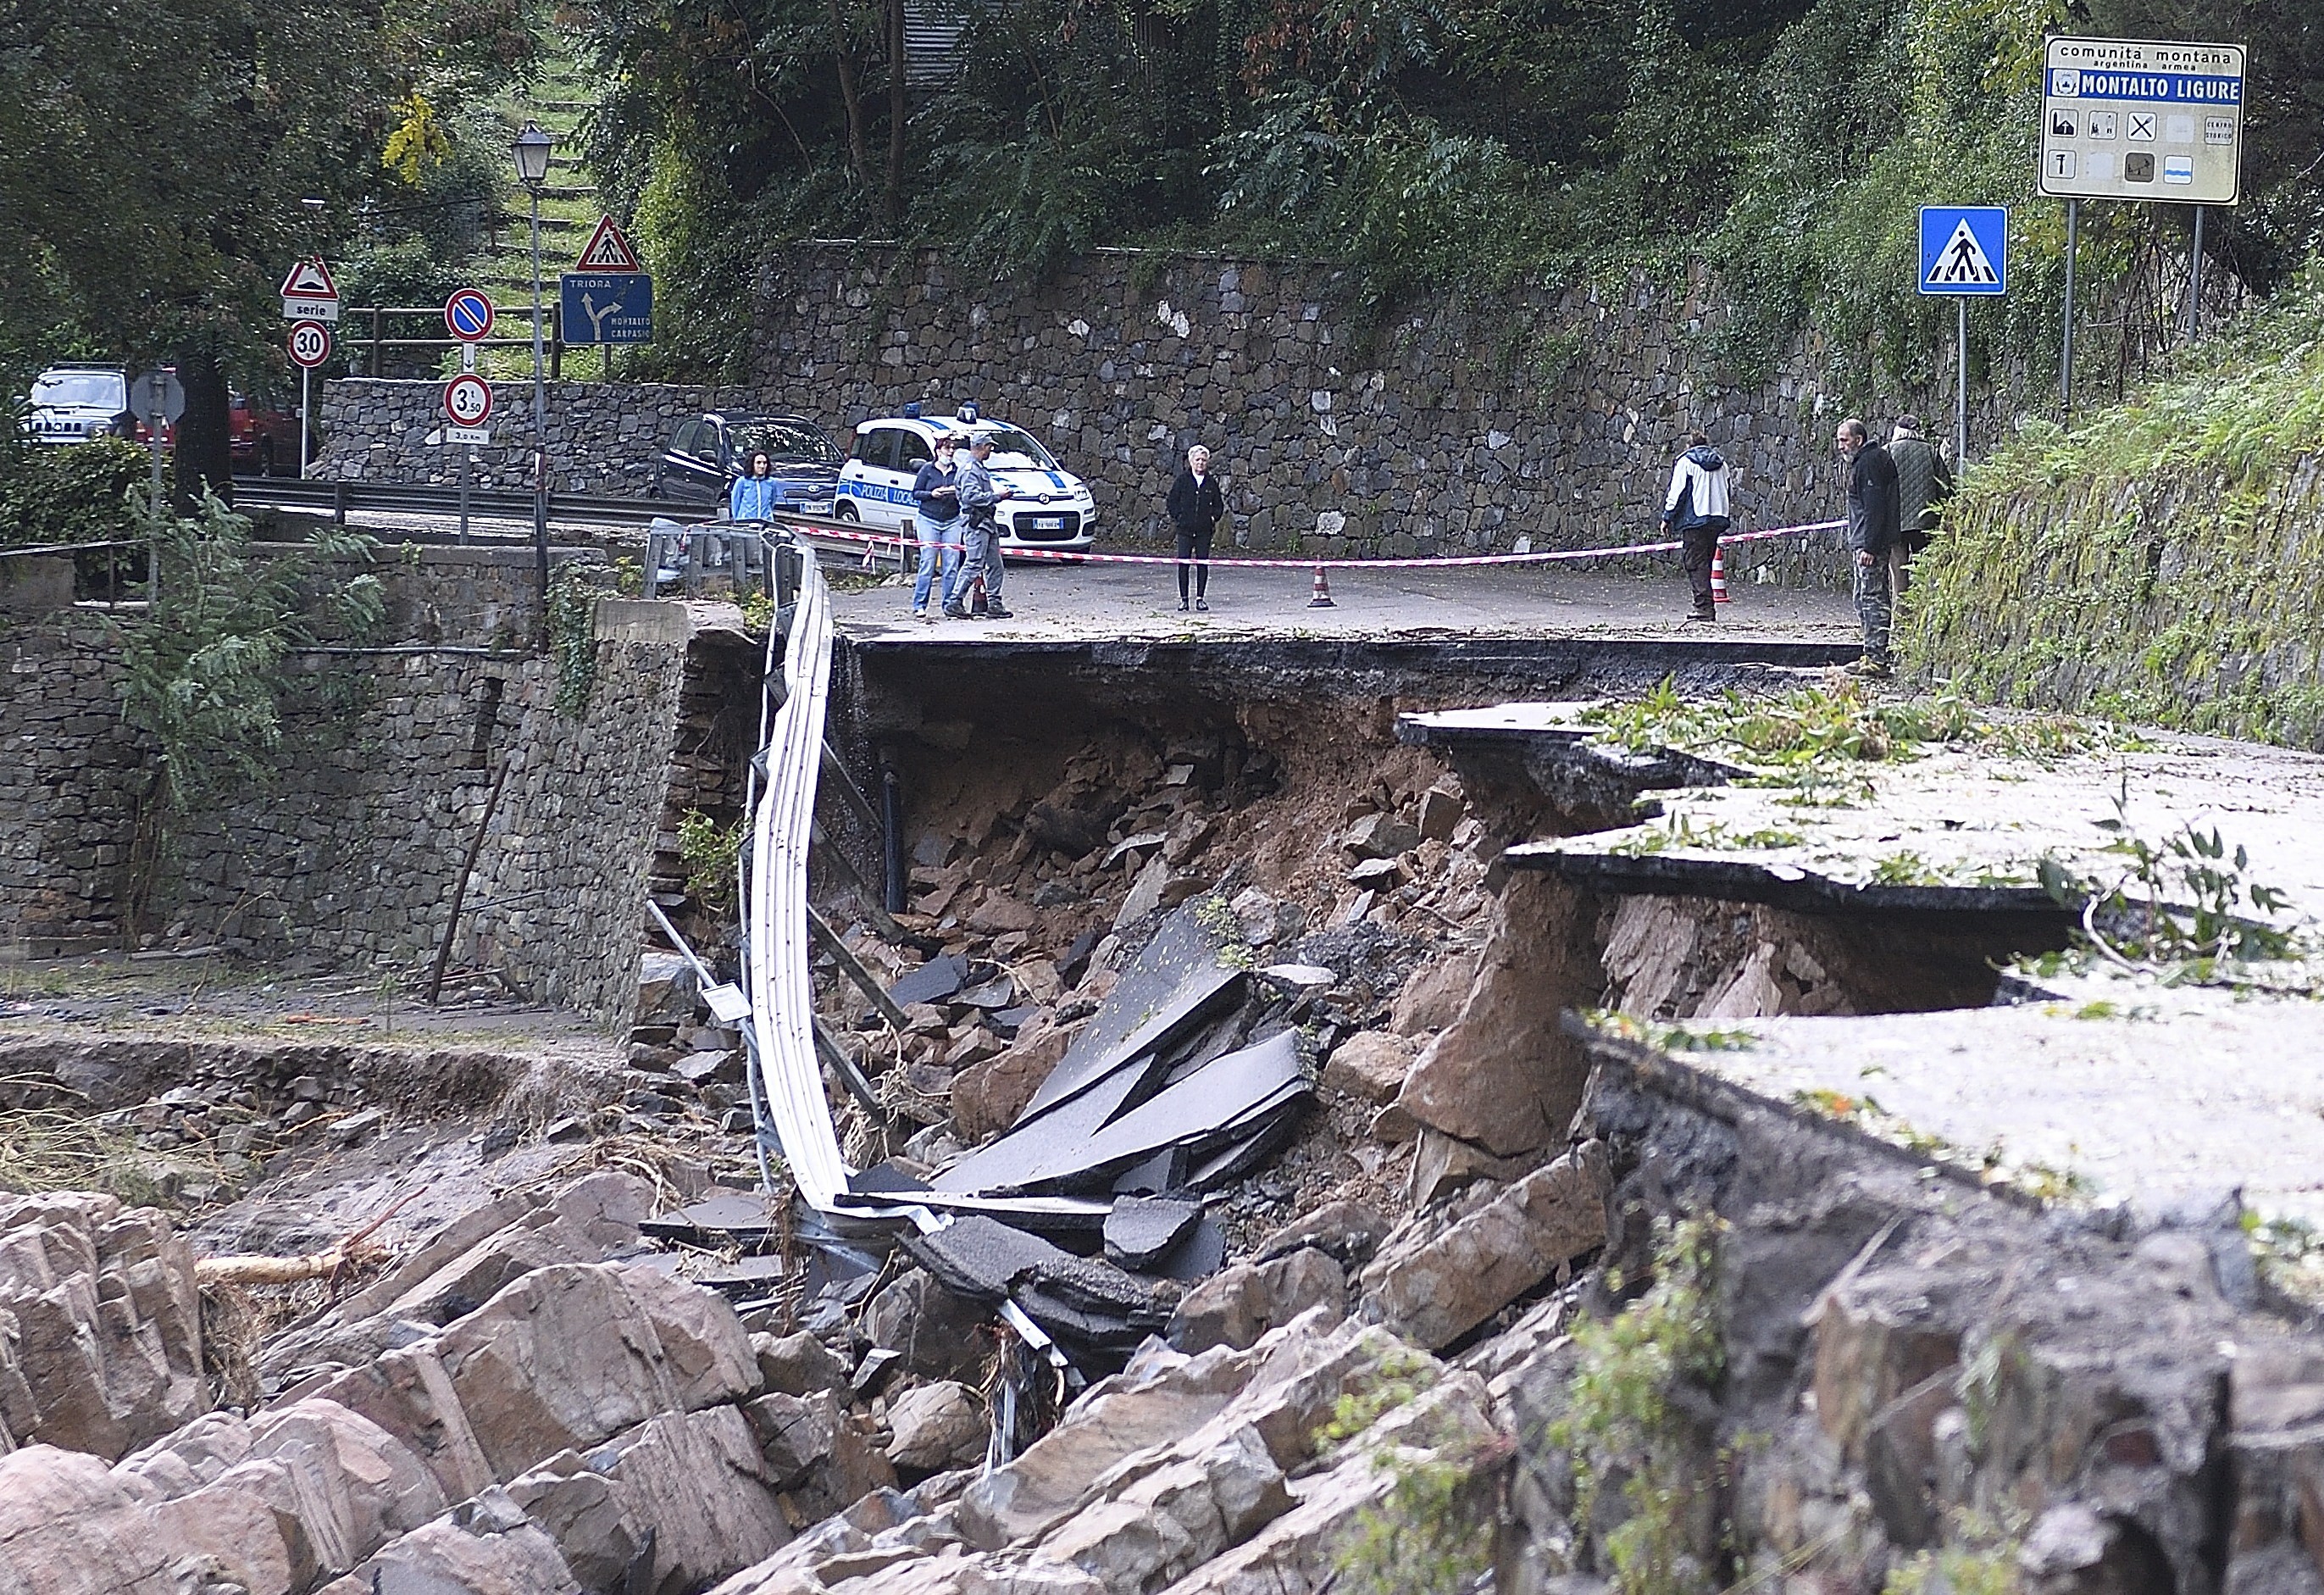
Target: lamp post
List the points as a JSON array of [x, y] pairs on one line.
[[532, 149]]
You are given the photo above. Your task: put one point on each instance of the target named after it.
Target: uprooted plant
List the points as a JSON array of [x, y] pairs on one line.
[[2185, 907]]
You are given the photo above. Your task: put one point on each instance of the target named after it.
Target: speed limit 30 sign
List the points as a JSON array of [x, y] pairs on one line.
[[310, 344], [467, 399]]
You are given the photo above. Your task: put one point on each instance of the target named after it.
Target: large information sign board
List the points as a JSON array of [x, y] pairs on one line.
[[2137, 119]]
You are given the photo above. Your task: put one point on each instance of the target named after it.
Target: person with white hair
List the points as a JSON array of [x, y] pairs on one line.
[[1196, 505]]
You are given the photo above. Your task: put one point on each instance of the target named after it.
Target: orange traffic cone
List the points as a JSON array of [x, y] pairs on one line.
[[1323, 599], [1719, 576]]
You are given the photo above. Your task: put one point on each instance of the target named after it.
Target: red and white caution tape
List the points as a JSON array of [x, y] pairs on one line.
[[878, 540]]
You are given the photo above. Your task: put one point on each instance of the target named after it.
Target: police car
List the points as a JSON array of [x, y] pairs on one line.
[[1050, 509]]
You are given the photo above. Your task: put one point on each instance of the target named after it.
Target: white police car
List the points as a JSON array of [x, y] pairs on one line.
[[1050, 509]]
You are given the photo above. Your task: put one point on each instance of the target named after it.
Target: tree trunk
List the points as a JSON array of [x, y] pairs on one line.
[[848, 96], [204, 454], [894, 205]]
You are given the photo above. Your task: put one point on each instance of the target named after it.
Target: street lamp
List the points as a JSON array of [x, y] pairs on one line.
[[532, 149]]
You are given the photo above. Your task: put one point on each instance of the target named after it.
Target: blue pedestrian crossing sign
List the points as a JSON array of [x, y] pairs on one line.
[[1964, 249]]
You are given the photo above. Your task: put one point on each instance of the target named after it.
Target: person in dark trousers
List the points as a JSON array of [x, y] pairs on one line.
[[1196, 505], [978, 494], [1923, 482], [1696, 508], [1872, 532], [936, 498]]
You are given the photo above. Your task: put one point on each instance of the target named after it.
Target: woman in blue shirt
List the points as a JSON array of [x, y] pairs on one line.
[[755, 496]]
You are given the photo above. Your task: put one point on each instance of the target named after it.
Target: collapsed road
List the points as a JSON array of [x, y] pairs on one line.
[[1286, 1132]]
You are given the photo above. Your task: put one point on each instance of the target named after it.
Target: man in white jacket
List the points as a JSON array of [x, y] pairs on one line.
[[1696, 507]]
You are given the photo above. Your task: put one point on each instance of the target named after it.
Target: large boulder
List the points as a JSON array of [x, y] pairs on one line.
[[936, 1427], [100, 1325], [1236, 1306]]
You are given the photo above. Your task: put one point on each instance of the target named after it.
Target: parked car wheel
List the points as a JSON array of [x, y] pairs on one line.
[[844, 510]]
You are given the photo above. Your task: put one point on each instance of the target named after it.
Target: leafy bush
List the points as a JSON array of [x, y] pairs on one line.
[[83, 492]]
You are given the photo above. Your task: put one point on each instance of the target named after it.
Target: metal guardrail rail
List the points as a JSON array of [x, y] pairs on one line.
[[340, 498]]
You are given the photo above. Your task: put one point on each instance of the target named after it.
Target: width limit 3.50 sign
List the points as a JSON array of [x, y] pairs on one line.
[[2136, 119]]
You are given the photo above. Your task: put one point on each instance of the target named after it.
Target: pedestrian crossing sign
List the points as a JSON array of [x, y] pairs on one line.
[[1964, 249]]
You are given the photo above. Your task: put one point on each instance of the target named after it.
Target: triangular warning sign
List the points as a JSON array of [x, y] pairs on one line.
[[310, 279], [608, 251], [1962, 263]]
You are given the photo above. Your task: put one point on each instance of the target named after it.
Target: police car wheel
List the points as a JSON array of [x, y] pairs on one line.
[[844, 510]]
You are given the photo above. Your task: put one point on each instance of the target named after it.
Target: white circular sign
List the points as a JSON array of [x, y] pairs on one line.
[[468, 399], [310, 344]]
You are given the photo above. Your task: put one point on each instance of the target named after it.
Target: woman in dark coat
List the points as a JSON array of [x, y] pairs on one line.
[[1196, 505]]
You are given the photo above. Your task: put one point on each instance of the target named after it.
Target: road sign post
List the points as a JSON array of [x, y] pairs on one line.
[[309, 294], [467, 399], [607, 298], [468, 315], [1965, 255], [311, 346], [158, 399]]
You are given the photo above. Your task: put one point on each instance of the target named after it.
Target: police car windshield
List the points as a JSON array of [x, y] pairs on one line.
[[96, 390], [783, 443], [1016, 450]]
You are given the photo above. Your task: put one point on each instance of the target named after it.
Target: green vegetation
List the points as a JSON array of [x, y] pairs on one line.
[[1629, 1424], [2154, 564], [1978, 1557], [572, 627], [712, 854], [202, 669], [1669, 1038]]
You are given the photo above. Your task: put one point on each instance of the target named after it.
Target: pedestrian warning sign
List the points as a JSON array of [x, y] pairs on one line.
[[607, 250], [1964, 249]]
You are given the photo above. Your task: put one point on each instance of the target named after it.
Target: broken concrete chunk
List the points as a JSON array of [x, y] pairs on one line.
[[1440, 813], [987, 1095], [936, 1330], [797, 1363], [1379, 835], [1369, 1066], [936, 1427], [1142, 1229], [1376, 875], [934, 981], [1306, 979], [1145, 843], [1235, 1308], [1440, 1275], [1432, 998]]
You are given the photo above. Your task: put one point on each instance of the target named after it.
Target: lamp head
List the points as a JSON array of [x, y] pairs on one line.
[[532, 150]]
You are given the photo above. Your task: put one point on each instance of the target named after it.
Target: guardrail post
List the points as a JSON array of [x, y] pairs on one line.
[[339, 504]]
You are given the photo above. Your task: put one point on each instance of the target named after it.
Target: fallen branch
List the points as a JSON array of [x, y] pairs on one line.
[[327, 1264]]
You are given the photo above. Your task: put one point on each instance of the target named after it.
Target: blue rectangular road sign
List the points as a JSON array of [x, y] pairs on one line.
[[606, 307], [1964, 249]]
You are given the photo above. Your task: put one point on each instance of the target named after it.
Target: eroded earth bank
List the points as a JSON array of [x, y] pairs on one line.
[[1636, 1198]]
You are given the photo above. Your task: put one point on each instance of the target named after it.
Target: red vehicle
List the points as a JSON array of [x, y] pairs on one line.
[[262, 436]]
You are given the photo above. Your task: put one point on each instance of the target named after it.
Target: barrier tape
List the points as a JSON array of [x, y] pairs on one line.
[[876, 541]]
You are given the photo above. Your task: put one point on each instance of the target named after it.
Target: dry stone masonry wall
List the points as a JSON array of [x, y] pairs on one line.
[[350, 854], [1525, 419]]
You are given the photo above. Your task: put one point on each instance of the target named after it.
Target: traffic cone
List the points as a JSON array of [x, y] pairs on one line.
[[1323, 599], [1719, 575]]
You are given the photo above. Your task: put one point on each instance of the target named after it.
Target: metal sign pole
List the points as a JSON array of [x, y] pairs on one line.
[[1960, 387], [303, 375], [2066, 356], [467, 459], [2195, 282]]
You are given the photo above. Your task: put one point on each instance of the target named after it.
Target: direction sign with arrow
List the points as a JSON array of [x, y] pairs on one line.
[[606, 307]]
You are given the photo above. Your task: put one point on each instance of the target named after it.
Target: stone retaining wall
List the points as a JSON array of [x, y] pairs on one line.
[[1486, 423], [350, 854]]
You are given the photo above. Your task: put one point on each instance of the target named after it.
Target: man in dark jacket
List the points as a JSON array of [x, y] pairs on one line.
[[1196, 505], [1872, 532], [1695, 507], [1923, 482]]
